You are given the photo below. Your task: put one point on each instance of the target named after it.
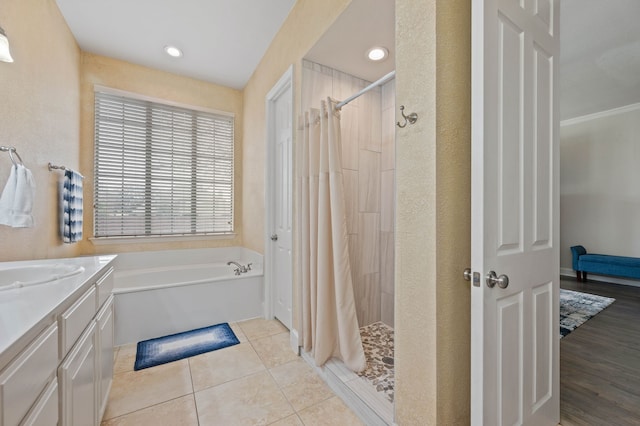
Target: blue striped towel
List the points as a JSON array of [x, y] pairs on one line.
[[72, 207]]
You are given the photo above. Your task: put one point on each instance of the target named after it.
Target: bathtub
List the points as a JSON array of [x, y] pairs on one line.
[[169, 291]]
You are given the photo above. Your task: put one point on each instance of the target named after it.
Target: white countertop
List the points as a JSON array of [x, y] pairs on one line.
[[21, 309]]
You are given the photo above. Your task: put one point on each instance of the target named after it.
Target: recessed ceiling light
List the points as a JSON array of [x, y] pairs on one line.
[[377, 53], [173, 51]]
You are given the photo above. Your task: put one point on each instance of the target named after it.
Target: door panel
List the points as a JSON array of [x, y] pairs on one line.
[[510, 135], [515, 339]]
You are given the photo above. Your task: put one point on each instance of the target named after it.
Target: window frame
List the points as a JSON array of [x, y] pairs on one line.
[[115, 239]]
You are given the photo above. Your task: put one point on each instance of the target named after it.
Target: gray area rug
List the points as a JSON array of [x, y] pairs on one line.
[[576, 308]]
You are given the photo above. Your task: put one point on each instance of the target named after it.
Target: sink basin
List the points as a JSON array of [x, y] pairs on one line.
[[36, 274]]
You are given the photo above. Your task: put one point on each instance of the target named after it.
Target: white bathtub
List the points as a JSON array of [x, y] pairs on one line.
[[165, 292]]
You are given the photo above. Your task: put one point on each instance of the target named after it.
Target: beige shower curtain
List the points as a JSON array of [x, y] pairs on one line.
[[330, 326]]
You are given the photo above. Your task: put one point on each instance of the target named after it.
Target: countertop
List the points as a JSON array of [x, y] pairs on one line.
[[22, 309]]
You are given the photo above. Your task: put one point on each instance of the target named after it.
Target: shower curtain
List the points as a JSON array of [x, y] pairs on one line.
[[330, 325]]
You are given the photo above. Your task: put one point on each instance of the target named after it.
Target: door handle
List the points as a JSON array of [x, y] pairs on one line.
[[274, 237], [467, 274], [492, 279]]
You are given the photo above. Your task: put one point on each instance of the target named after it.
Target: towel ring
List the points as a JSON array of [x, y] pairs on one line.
[[12, 152]]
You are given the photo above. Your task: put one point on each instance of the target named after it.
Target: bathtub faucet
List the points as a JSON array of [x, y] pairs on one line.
[[241, 269]]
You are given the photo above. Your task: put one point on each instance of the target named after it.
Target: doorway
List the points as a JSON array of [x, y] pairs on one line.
[[279, 204], [600, 109]]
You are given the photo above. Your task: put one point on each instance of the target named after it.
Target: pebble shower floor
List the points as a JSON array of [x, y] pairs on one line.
[[377, 340]]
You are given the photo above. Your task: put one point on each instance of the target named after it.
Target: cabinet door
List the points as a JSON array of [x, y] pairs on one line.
[[45, 412], [25, 377], [78, 378], [105, 354]]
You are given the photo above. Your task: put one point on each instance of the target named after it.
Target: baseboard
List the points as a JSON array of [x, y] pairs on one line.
[[568, 272], [293, 340]]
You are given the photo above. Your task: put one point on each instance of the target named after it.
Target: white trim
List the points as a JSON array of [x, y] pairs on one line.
[[601, 114], [285, 82], [133, 95], [293, 341], [100, 241], [568, 272]]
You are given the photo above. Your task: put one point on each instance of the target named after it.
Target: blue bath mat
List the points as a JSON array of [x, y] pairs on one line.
[[162, 350]]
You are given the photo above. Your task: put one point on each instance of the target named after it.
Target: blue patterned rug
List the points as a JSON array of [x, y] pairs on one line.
[[162, 350], [576, 308]]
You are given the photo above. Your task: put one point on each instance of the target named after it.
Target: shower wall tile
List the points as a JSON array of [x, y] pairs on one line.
[[345, 85], [350, 129], [386, 308], [367, 294], [369, 181], [388, 96], [369, 242], [351, 202], [317, 86], [388, 139], [369, 118], [387, 267], [375, 122], [387, 201]]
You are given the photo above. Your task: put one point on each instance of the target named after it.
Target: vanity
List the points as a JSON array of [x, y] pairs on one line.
[[56, 341]]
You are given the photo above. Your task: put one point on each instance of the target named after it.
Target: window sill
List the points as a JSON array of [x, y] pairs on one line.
[[158, 239]]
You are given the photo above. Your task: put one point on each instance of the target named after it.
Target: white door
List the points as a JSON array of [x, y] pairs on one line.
[[279, 199], [515, 330]]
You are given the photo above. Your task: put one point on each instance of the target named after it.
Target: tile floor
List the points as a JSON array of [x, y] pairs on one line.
[[258, 382]]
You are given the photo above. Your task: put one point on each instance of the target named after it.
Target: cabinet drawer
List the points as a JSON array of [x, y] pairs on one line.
[[45, 412], [25, 378], [105, 287], [75, 319]]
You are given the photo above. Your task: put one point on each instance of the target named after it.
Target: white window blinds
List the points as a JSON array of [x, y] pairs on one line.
[[161, 169]]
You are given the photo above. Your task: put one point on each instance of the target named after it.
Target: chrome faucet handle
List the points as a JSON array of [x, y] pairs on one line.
[[248, 266], [237, 271]]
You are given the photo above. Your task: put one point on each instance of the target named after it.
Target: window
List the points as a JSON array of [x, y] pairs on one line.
[[161, 169]]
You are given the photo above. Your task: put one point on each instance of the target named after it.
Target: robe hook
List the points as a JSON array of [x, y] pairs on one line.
[[411, 118]]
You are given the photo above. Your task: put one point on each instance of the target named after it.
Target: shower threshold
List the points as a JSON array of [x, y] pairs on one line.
[[369, 393]]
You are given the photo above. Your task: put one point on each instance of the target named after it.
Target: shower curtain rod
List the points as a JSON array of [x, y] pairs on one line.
[[376, 83]]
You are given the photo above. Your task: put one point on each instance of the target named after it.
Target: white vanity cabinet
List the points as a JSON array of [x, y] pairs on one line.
[[58, 371], [86, 372]]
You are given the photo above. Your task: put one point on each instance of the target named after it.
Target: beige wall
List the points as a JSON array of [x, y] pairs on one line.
[[39, 115], [99, 70], [433, 213], [307, 21]]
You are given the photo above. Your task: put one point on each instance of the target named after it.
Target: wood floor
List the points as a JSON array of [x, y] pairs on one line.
[[600, 361]]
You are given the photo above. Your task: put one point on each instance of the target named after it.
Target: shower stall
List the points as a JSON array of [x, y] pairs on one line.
[[368, 167]]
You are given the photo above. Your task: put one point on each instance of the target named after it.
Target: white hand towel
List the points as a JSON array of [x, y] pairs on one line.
[[16, 201]]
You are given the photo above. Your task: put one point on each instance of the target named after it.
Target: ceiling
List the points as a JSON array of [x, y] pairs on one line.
[[223, 41], [363, 25], [599, 55]]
